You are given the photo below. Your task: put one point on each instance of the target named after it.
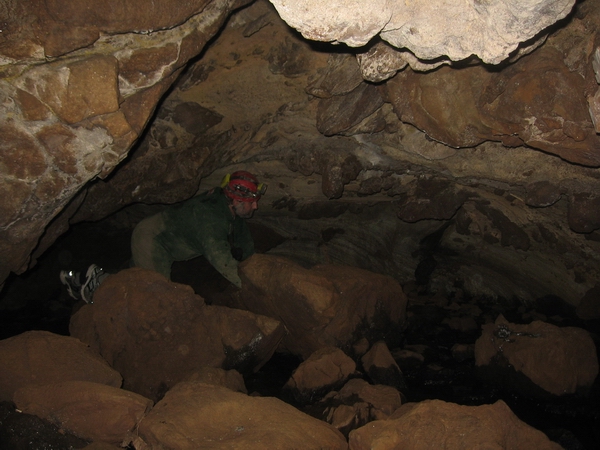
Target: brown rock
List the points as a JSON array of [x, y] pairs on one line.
[[432, 198], [542, 109], [358, 403], [559, 360], [230, 379], [589, 307], [38, 358], [536, 100], [584, 212], [99, 445], [79, 25], [381, 367], [323, 306], [88, 410], [542, 194], [32, 108], [326, 369], [144, 64], [76, 90], [157, 333], [58, 142], [443, 102], [346, 418], [341, 76], [196, 415], [339, 113], [382, 400], [288, 58], [20, 156], [434, 423]]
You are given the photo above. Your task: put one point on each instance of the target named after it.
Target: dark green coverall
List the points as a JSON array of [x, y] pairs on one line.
[[202, 225]]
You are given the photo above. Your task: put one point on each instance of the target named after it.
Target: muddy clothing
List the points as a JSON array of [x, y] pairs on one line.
[[203, 225]]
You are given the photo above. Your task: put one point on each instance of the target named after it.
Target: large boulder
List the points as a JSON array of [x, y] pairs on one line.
[[196, 415], [559, 360], [324, 306], [438, 424], [88, 410], [358, 403], [326, 369], [157, 333], [381, 367], [37, 358]]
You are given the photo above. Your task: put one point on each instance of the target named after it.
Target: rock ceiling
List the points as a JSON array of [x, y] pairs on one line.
[[458, 140]]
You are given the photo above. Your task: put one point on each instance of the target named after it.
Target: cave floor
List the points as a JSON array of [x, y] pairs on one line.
[[37, 301]]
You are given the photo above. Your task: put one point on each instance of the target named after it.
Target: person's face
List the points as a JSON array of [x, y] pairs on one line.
[[244, 209]]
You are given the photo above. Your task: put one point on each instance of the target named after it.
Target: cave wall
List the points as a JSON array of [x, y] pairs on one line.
[[486, 175], [78, 84]]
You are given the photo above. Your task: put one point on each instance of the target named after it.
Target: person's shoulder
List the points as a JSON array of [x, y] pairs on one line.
[[212, 195]]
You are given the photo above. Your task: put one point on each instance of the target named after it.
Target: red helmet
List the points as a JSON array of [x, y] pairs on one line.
[[243, 186]]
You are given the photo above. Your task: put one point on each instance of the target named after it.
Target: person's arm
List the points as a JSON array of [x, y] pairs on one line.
[[218, 253], [243, 239]]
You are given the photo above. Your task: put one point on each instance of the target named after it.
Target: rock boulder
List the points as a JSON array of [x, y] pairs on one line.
[[157, 333], [560, 360], [326, 305], [37, 358], [88, 410], [197, 415], [435, 423]]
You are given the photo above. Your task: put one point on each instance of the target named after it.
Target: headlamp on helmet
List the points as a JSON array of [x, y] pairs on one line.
[[243, 186]]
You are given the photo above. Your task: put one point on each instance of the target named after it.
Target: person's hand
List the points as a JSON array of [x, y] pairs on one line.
[[237, 253]]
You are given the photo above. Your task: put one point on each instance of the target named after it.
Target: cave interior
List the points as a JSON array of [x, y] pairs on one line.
[[470, 178]]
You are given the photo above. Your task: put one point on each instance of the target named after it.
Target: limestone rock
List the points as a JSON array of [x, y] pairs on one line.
[[194, 415], [79, 83], [560, 360], [37, 358], [380, 62], [491, 32], [435, 423], [322, 306], [157, 333], [88, 410], [381, 367], [324, 370]]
